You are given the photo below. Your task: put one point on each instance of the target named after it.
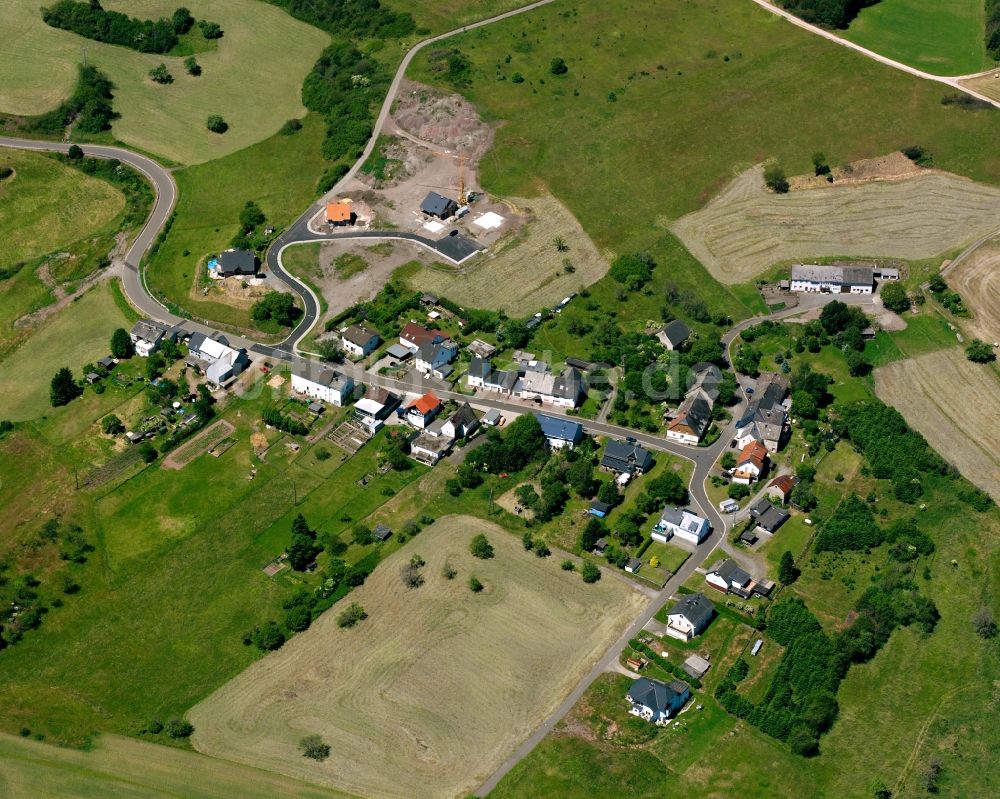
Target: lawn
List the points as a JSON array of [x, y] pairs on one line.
[[635, 136], [394, 711], [943, 37], [130, 769], [279, 174], [49, 205], [38, 70], [77, 335]]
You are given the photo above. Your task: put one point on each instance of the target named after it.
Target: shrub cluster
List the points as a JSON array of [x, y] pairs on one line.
[[830, 13], [88, 107], [90, 20]]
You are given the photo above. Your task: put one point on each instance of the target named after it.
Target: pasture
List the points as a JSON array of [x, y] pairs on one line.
[[46, 205], [955, 404], [38, 70], [527, 264], [636, 134], [977, 279], [746, 229], [943, 37], [409, 701], [77, 335], [129, 769]]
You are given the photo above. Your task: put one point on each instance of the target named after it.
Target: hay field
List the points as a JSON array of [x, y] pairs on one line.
[[46, 205], [955, 404], [252, 79], [987, 84], [523, 272], [76, 335], [431, 692], [977, 279], [129, 769], [746, 229]]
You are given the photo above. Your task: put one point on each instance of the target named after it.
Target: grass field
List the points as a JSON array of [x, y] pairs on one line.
[[128, 769], [977, 279], [746, 229], [528, 265], [943, 37], [49, 205], [956, 404], [77, 335], [392, 698], [634, 136], [450, 14], [38, 70], [279, 174]]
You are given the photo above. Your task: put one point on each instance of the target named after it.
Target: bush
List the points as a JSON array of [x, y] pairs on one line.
[[63, 388], [312, 746], [352, 615], [160, 74], [155, 727], [633, 270], [775, 180], [980, 352], [278, 307], [895, 298], [984, 624], [216, 124], [74, 153], [291, 126], [268, 638], [590, 572], [182, 21], [558, 67], [210, 30], [474, 585], [178, 728], [192, 66], [567, 566], [112, 425], [480, 547]]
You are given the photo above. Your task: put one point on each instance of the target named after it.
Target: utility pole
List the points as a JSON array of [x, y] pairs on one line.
[[295, 494], [491, 502]]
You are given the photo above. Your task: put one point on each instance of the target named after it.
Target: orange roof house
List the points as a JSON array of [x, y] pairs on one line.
[[340, 212], [427, 403], [422, 411], [750, 463]]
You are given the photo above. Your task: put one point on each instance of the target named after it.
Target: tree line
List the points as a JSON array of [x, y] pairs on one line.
[[993, 28], [88, 108], [831, 13], [357, 18]]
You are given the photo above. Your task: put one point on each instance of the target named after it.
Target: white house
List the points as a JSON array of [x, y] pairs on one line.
[[461, 423], [431, 357], [479, 369], [750, 463], [374, 408], [727, 577], [657, 701], [358, 340], [146, 336], [689, 617], [691, 421], [683, 524], [321, 383], [431, 445], [564, 390], [833, 279], [220, 362]]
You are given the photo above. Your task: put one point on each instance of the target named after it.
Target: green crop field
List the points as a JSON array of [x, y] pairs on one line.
[[943, 37], [637, 134], [252, 79], [128, 769], [45, 205], [76, 335]]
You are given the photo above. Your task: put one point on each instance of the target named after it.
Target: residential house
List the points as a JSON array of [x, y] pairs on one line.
[[340, 213], [657, 701], [481, 349], [691, 421], [431, 357], [358, 340], [764, 418], [322, 383], [750, 463], [146, 336], [462, 423], [236, 263], [414, 336], [833, 279], [673, 334], [727, 576], [421, 411], [769, 518], [438, 206], [780, 488], [501, 381], [431, 445], [560, 433], [565, 390], [374, 408], [679, 522], [626, 457], [220, 362], [479, 369], [689, 617]]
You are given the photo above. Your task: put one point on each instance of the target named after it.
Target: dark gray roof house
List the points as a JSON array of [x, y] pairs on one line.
[[107, 363], [626, 457], [236, 262], [771, 519], [696, 608], [381, 532], [673, 334], [760, 507], [661, 699], [479, 368], [436, 205]]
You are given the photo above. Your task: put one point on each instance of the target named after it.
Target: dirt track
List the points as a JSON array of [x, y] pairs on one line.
[[747, 229], [955, 404]]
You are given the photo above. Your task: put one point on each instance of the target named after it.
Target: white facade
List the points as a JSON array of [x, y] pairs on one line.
[[816, 278], [327, 385], [679, 627], [683, 437], [685, 525]]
